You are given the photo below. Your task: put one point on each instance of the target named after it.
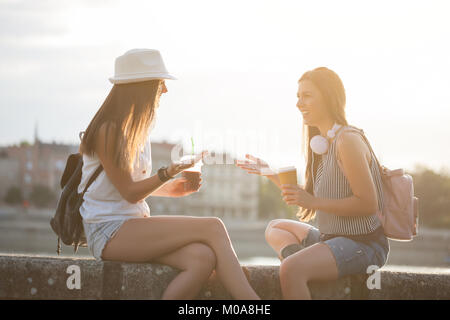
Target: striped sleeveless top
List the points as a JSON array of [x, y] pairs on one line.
[[330, 182]]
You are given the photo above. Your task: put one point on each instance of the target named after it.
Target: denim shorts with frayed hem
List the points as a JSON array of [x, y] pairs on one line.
[[98, 235], [352, 257]]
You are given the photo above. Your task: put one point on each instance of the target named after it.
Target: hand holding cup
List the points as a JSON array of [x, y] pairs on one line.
[[185, 163], [192, 174]]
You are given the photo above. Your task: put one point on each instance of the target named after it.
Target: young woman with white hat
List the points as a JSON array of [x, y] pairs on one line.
[[116, 218], [342, 188]]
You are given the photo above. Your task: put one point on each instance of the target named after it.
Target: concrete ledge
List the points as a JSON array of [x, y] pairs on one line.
[[44, 277]]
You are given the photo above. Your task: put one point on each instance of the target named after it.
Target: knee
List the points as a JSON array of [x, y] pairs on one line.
[[269, 228], [208, 257], [202, 257], [292, 271], [286, 270], [215, 226]]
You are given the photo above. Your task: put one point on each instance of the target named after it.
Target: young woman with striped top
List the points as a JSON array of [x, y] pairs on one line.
[[342, 191]]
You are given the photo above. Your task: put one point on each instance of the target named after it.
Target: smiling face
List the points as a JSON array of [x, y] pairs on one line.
[[311, 103]]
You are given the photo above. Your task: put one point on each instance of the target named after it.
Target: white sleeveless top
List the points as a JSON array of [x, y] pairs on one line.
[[102, 201]]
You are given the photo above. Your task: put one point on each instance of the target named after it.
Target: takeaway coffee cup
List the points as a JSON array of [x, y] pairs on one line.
[[192, 175], [287, 175], [193, 180]]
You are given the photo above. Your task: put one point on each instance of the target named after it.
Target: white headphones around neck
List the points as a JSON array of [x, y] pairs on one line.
[[320, 144]]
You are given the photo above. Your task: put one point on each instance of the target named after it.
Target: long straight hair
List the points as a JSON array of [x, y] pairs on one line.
[[333, 93], [128, 110]]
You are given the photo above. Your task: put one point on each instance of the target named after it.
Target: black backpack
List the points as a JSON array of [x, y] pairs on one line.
[[67, 222]]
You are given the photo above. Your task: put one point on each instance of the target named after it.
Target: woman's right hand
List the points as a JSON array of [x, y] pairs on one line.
[[177, 167], [255, 165]]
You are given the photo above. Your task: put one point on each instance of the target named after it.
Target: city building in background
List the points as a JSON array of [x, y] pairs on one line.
[[9, 173], [227, 191], [29, 165]]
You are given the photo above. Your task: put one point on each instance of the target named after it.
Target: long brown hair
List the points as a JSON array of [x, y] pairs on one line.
[[128, 110], [333, 93]]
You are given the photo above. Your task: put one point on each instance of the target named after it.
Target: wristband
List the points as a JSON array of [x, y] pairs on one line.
[[163, 175]]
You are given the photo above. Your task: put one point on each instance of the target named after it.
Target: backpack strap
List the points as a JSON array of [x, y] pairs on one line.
[[382, 170], [58, 247], [91, 180], [361, 132], [93, 177]]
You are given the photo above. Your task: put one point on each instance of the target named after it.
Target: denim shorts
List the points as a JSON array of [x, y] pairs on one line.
[[98, 235], [352, 257]]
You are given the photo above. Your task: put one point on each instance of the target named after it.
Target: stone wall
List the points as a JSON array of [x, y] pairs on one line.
[[44, 277]]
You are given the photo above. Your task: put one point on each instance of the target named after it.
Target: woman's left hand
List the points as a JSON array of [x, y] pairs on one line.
[[176, 188], [296, 195]]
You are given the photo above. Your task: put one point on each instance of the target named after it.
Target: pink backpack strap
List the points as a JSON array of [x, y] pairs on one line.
[[361, 132]]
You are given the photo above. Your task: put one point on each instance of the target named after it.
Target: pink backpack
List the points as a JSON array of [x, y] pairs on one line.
[[399, 216], [400, 213]]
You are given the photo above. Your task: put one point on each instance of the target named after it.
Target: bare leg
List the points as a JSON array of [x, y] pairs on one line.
[[314, 263], [159, 235], [283, 232], [196, 262]]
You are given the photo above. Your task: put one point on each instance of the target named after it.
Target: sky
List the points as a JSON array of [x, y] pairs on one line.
[[237, 64]]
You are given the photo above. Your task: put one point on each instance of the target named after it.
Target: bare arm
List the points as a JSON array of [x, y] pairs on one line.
[[167, 190], [132, 191], [163, 191], [135, 191], [354, 155]]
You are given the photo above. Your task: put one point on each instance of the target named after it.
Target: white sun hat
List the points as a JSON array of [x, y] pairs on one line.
[[140, 65]]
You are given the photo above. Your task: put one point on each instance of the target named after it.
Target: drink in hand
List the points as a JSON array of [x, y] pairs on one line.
[[287, 175], [192, 175]]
